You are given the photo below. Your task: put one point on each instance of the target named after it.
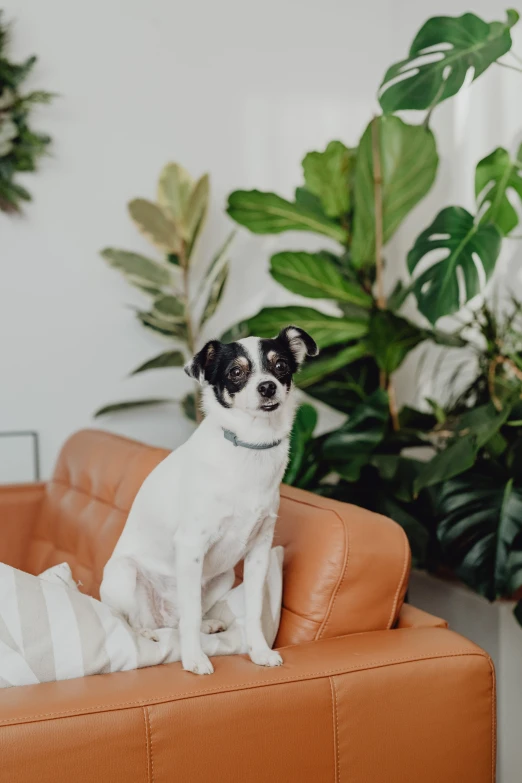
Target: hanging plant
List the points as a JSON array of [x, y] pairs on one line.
[[20, 146]]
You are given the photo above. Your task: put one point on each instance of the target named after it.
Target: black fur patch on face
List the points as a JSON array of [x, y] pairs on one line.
[[278, 359], [226, 367]]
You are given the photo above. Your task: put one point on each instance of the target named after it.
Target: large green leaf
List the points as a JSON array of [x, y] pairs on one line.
[[479, 523], [166, 359], [350, 447], [302, 432], [325, 329], [155, 224], [327, 174], [439, 58], [117, 407], [316, 276], [465, 244], [391, 338], [142, 272], [344, 388], [175, 186], [317, 369], [267, 213], [496, 179], [409, 163], [418, 535]]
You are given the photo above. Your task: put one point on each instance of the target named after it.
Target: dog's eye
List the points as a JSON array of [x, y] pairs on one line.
[[281, 366], [235, 373]]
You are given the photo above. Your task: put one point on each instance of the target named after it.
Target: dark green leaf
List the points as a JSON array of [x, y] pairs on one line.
[[169, 308], [480, 520], [267, 213], [455, 459], [409, 163], [316, 369], [418, 535], [304, 198], [302, 432], [465, 244], [130, 405], [325, 329], [350, 447], [167, 359], [391, 338], [497, 177], [398, 296], [327, 174], [314, 275], [454, 45], [188, 405]]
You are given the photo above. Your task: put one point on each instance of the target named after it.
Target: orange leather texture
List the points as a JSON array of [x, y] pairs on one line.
[[399, 706], [371, 690], [345, 569]]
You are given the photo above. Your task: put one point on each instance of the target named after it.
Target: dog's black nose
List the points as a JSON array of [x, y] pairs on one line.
[[267, 389]]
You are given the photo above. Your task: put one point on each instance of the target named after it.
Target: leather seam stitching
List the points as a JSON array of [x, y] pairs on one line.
[[172, 697], [88, 494], [150, 746], [335, 716], [340, 580], [493, 721], [147, 749], [401, 581]]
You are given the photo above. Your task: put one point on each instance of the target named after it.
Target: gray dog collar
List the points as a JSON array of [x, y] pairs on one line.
[[232, 437]]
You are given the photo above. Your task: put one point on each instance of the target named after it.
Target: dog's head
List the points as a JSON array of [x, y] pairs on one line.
[[254, 374]]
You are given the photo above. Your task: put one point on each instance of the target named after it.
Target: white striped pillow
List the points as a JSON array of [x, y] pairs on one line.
[[51, 631]]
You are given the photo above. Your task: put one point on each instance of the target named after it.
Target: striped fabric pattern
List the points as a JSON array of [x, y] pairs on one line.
[[50, 631]]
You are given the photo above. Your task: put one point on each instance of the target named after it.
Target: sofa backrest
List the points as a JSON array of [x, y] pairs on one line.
[[345, 569]]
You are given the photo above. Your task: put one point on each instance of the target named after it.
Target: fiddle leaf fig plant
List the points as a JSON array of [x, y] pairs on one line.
[[178, 309], [20, 146]]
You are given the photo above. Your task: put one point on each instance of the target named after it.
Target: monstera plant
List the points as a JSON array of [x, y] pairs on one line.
[[356, 197], [20, 146], [182, 294]]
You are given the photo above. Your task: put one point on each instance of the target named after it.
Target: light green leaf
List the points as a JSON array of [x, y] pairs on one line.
[[267, 213], [314, 275], [196, 209], [219, 258], [496, 179], [439, 58], [167, 327], [155, 225], [142, 272], [327, 174], [168, 307], [316, 369], [325, 329], [466, 244], [175, 187], [409, 163], [167, 359], [128, 405], [217, 289], [302, 432]]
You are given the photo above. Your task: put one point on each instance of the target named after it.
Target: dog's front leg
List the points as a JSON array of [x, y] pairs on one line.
[[189, 569], [255, 573]]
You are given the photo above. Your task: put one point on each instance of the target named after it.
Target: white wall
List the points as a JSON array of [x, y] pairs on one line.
[[236, 88]]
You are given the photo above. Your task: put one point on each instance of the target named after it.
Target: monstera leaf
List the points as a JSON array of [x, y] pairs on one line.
[[498, 178], [327, 175], [350, 447], [315, 275], [408, 167], [325, 329], [479, 529], [439, 59], [466, 244], [267, 213]]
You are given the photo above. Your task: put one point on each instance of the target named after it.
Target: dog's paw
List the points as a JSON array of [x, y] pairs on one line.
[[199, 663], [149, 633], [266, 657], [210, 625]]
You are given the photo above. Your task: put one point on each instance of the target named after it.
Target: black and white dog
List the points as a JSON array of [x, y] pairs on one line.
[[213, 501]]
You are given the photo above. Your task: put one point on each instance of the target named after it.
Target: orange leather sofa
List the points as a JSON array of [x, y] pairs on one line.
[[371, 691]]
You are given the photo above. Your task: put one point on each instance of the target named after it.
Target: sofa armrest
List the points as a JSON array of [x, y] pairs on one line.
[[19, 507], [411, 617], [346, 569], [368, 707]]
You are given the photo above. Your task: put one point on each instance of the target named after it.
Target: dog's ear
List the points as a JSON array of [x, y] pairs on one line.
[[299, 342], [201, 365]]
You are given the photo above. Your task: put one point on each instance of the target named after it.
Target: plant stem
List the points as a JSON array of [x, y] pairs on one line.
[[385, 381], [517, 58], [511, 67]]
